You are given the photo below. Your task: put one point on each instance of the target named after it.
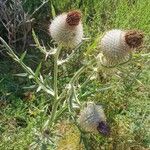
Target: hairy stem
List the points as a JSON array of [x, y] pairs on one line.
[[55, 76], [56, 102], [70, 93]]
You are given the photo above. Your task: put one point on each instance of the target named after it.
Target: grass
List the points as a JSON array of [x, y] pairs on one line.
[[126, 102]]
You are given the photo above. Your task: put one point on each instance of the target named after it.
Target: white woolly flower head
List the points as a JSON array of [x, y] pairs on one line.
[[117, 45], [93, 119], [67, 29]]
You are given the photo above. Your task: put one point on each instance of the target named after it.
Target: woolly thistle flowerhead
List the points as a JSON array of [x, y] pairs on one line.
[[92, 119], [67, 29], [117, 45]]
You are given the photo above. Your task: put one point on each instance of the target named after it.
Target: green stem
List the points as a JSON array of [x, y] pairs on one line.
[[87, 80], [56, 101], [55, 76], [74, 78]]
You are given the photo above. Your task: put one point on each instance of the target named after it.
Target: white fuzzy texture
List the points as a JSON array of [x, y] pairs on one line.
[[114, 48], [64, 34], [91, 116]]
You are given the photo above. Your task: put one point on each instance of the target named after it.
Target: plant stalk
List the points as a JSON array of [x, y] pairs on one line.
[[70, 92], [56, 102]]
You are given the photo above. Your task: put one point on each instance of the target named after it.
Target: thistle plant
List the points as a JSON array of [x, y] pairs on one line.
[[67, 31]]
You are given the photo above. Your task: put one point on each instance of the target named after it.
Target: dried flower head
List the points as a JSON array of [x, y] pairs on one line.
[[134, 38], [67, 29], [92, 119], [117, 45], [73, 18]]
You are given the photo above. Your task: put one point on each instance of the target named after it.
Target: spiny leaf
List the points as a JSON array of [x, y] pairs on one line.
[[53, 11], [38, 45], [21, 74], [38, 70], [39, 89], [29, 87], [92, 46], [23, 56]]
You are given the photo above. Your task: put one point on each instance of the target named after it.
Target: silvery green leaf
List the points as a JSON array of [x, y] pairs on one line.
[[53, 11], [37, 70], [29, 70], [46, 89], [60, 62], [39, 89], [38, 45], [31, 76], [30, 87], [23, 56], [41, 78], [52, 51], [12, 56], [21, 74]]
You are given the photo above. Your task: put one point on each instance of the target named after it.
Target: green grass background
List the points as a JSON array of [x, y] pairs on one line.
[[127, 104]]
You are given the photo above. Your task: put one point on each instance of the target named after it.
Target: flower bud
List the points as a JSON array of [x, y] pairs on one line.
[[92, 119], [66, 29], [117, 45]]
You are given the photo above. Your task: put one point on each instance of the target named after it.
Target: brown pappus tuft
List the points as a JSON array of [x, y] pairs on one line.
[[134, 38], [73, 18]]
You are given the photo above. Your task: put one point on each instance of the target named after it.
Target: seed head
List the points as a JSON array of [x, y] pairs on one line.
[[103, 128], [134, 38], [66, 29], [117, 45], [92, 119]]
